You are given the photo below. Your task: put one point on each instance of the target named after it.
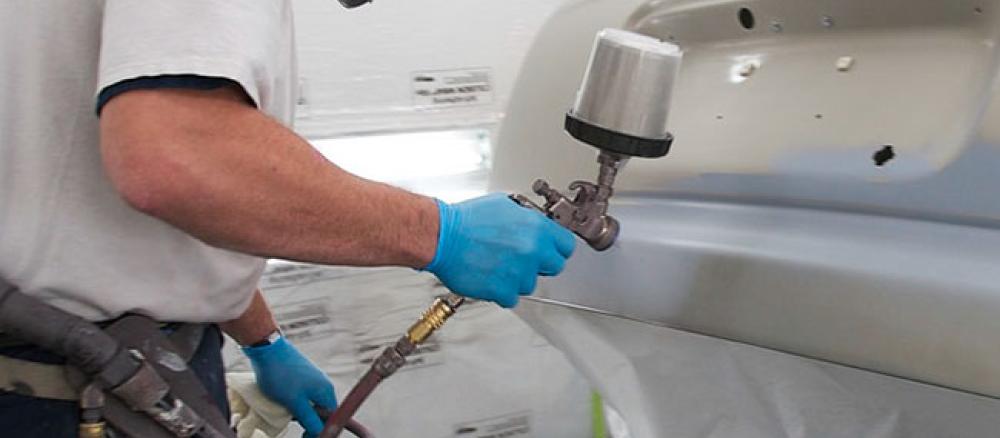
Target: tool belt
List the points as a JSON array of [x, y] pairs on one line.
[[52, 381], [129, 373]]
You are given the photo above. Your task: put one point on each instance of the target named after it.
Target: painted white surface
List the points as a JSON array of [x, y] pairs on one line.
[[921, 83], [921, 79], [908, 298], [773, 227], [357, 66]]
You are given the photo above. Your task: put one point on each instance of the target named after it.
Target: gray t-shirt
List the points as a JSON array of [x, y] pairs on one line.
[[66, 236]]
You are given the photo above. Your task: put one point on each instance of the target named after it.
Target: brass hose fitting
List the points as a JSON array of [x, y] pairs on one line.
[[91, 404], [433, 318], [92, 430]]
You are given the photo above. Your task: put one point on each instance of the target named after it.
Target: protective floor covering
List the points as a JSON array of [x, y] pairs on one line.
[[667, 383]]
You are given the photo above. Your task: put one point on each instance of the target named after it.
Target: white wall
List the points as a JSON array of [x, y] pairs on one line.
[[357, 66]]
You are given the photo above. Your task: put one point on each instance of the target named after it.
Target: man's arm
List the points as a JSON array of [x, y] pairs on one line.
[[216, 167], [254, 325]]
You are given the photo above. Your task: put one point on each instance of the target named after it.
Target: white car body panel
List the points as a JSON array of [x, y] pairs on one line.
[[767, 253]]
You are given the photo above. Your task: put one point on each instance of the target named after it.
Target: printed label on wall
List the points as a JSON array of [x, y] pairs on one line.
[[468, 86], [427, 354], [507, 426]]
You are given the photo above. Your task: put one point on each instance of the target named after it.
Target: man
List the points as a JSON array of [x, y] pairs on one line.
[[164, 201]]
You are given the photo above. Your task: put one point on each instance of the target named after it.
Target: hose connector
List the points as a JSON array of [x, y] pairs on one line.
[[92, 424], [434, 318], [93, 430]]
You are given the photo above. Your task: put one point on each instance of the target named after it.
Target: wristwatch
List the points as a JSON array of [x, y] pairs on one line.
[[269, 340]]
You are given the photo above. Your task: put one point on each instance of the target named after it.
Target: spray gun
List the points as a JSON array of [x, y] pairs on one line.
[[621, 109]]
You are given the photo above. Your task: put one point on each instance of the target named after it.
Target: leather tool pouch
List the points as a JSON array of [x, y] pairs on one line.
[[169, 357]]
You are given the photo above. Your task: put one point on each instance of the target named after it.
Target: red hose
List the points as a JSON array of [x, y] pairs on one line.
[[341, 418]]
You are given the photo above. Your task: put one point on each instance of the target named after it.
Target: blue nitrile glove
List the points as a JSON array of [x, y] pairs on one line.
[[288, 378], [492, 249]]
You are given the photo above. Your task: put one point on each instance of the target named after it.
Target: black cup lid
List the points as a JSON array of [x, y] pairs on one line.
[[616, 142]]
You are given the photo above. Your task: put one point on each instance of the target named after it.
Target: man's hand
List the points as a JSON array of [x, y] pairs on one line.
[[492, 249], [283, 374], [287, 377]]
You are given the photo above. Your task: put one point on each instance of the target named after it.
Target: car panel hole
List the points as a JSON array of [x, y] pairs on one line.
[[884, 155], [746, 18]]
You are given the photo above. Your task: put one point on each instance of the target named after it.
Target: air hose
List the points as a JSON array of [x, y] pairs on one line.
[[391, 359]]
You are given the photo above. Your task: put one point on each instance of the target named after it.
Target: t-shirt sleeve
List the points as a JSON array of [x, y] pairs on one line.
[[189, 82], [246, 42]]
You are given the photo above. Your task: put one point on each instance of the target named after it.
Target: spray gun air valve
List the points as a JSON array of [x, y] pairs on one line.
[[587, 213]]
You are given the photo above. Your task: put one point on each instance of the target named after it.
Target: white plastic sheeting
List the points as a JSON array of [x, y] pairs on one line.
[[485, 375]]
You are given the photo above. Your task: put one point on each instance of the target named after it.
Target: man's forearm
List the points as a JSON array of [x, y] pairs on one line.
[[254, 325], [226, 173]]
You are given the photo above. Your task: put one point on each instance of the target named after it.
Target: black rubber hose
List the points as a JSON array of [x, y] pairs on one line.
[[30, 320]]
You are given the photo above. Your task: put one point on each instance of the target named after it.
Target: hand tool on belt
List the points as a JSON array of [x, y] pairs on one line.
[[129, 374]]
